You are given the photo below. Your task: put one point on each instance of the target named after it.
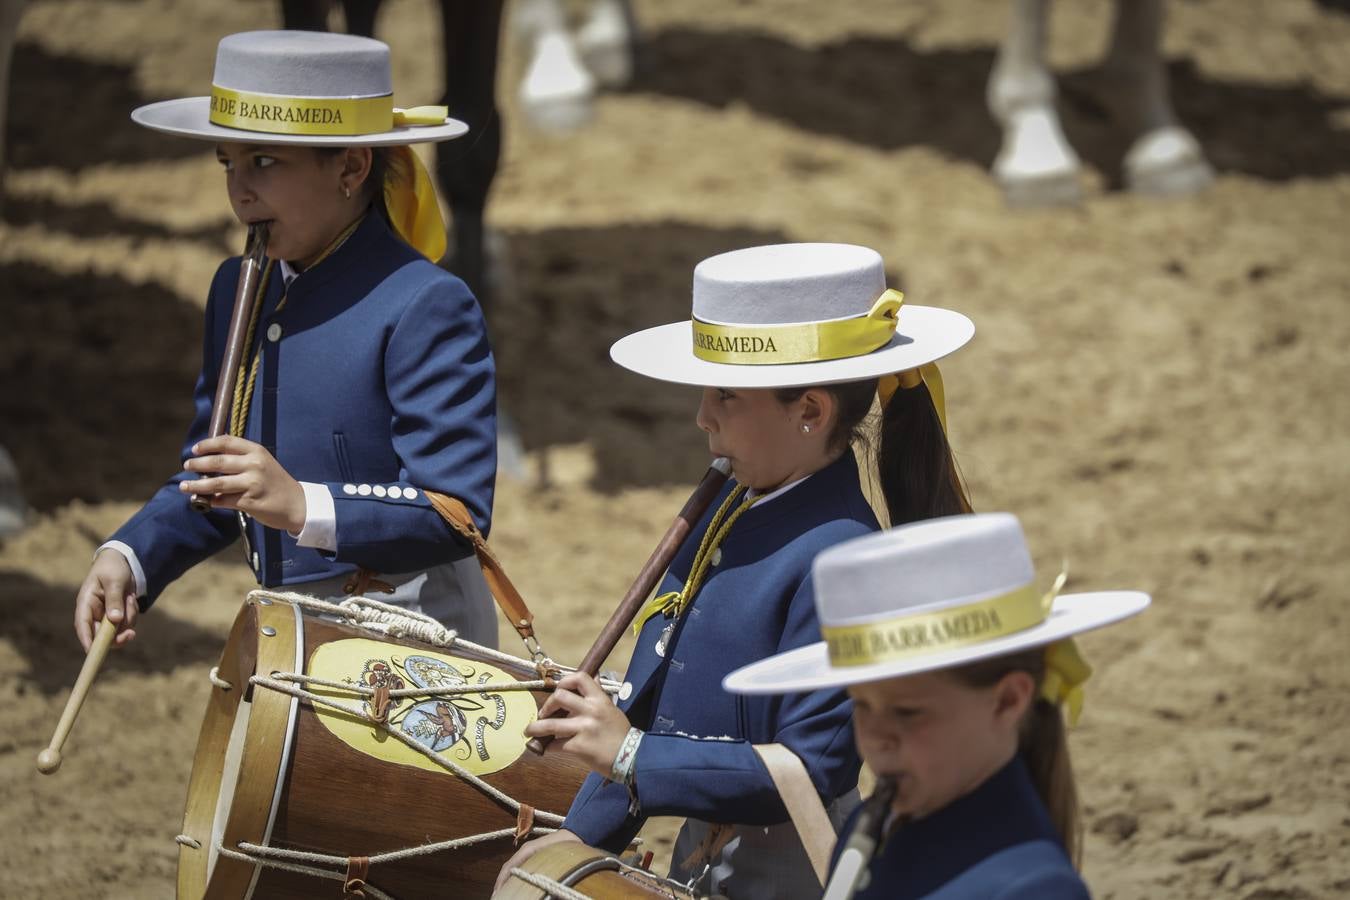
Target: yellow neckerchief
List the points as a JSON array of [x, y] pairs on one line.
[[673, 604], [246, 377]]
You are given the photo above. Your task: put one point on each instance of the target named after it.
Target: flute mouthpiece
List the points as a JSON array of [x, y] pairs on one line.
[[722, 464]]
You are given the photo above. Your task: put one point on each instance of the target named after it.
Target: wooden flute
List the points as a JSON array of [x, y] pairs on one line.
[[850, 874], [250, 273], [647, 578]]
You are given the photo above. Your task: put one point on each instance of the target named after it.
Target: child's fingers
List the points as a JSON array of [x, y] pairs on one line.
[[561, 698], [217, 463], [225, 443]]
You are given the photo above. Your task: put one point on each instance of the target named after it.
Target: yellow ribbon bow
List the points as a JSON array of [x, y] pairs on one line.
[[911, 378], [411, 201], [1065, 669]]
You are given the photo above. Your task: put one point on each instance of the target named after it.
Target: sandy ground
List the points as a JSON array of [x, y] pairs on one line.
[[1157, 388]]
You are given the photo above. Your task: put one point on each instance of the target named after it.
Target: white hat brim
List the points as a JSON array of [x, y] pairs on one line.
[[666, 352], [190, 117], [809, 669]]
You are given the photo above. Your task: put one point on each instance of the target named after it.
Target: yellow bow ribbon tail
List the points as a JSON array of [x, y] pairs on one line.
[[411, 201], [1065, 674], [668, 604]]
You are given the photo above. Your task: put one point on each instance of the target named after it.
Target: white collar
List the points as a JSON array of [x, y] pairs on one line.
[[288, 273], [750, 493]]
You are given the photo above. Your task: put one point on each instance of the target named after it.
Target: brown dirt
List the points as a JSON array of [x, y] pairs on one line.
[[1157, 388]]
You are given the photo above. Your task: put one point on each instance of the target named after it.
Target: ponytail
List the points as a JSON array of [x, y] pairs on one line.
[[1043, 744], [919, 478], [918, 474]]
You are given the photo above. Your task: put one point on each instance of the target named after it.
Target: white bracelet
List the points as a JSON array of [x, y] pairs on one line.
[[621, 771]]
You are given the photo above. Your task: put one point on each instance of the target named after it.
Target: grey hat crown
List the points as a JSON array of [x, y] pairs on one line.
[[782, 284], [303, 64], [929, 565]]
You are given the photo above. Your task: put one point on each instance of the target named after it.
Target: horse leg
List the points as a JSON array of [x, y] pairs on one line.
[[1036, 166], [304, 15], [465, 168], [1164, 157], [10, 11], [606, 41], [360, 16], [557, 92]]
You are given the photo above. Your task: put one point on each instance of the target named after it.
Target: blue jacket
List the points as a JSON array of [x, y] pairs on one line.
[[376, 372], [696, 759], [995, 843]]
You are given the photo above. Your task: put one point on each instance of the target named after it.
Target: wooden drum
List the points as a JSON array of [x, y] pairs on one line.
[[316, 789], [584, 870]]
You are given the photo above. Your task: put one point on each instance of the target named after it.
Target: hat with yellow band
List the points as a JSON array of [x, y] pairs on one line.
[[934, 595], [322, 90], [793, 315]]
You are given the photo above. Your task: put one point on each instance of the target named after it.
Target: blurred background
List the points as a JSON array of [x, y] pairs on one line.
[[1158, 386]]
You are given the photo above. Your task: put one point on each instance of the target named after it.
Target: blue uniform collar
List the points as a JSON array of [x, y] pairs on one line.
[[371, 232], [836, 478], [1002, 812]]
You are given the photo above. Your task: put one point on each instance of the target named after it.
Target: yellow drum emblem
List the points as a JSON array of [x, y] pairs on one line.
[[481, 730]]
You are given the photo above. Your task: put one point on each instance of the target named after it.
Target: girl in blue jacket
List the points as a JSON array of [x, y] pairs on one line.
[[366, 380], [791, 345], [960, 672]]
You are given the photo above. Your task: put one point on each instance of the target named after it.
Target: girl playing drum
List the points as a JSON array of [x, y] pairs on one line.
[[958, 669], [366, 379], [791, 344]]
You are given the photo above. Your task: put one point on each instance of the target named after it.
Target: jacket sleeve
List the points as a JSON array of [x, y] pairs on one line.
[[440, 378], [705, 777], [167, 535]]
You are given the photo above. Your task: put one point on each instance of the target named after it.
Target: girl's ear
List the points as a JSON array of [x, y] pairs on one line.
[[817, 409], [356, 164], [1013, 696]]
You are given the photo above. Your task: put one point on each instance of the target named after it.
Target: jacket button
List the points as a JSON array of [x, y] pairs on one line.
[[626, 691], [256, 562], [349, 489], [363, 490], [716, 556], [409, 493], [378, 490], [274, 332]]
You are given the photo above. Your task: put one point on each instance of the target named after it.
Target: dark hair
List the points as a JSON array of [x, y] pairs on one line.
[[1043, 743], [919, 477]]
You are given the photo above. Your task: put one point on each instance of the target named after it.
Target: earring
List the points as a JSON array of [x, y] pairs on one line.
[[346, 192], [806, 429]]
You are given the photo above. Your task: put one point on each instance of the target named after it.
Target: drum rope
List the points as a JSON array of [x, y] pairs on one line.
[[412, 743], [371, 891], [551, 887], [385, 618]]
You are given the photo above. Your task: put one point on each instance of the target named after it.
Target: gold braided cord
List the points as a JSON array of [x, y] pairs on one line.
[[243, 386], [674, 603]]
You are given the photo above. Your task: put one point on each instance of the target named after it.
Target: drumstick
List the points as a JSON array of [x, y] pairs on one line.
[[49, 760], [651, 573], [250, 271]]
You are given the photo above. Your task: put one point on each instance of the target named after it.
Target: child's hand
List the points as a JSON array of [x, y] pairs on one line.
[[244, 476], [528, 849], [594, 728], [108, 590]]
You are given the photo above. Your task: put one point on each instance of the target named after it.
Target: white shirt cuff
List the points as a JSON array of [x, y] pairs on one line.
[[137, 572], [320, 531]]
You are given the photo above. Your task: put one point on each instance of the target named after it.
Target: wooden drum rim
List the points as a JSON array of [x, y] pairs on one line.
[[277, 631]]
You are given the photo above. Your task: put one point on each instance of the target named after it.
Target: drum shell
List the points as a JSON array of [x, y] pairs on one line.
[[593, 872], [321, 795]]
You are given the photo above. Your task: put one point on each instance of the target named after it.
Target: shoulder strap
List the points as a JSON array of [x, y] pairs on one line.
[[803, 804], [457, 516]]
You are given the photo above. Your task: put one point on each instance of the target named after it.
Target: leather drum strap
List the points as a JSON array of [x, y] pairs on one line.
[[803, 804], [457, 516]]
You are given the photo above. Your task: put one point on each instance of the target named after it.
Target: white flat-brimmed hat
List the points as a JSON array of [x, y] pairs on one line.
[[792, 315], [300, 87], [926, 596]]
